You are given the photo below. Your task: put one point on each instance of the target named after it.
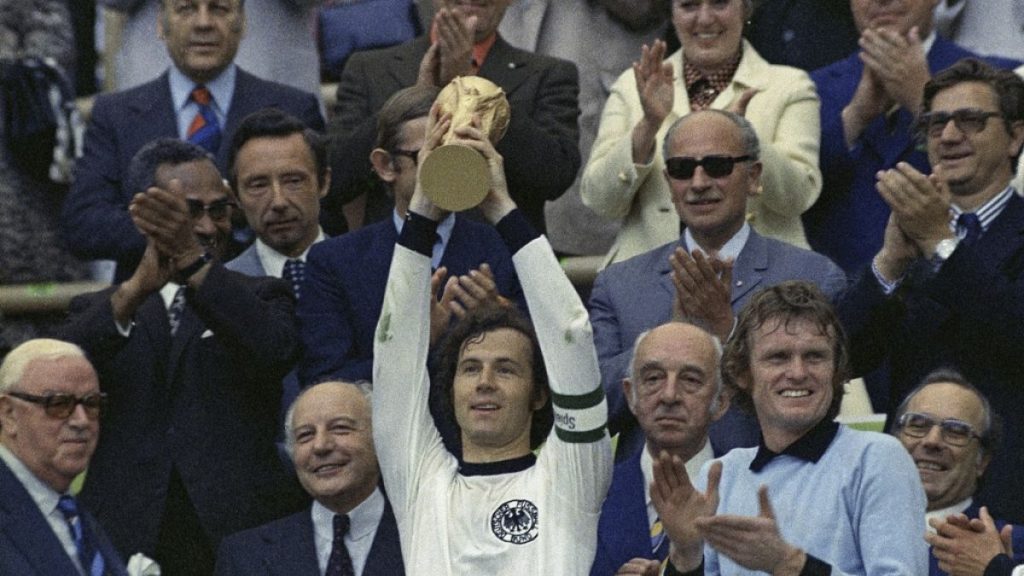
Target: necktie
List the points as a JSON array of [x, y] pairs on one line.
[[340, 563], [176, 310], [91, 559], [295, 273], [969, 226], [659, 543], [204, 129]]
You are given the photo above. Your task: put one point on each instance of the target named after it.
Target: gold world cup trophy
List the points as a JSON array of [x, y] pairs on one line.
[[455, 177]]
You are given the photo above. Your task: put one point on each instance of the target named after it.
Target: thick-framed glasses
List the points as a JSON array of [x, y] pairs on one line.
[[954, 432], [62, 405], [967, 120], [410, 154], [683, 167], [218, 210]]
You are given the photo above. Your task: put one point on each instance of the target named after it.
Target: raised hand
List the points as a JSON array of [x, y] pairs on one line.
[[655, 80], [899, 64], [703, 295], [921, 204], [680, 507]]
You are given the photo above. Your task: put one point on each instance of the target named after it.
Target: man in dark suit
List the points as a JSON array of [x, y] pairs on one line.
[[868, 104], [329, 436], [541, 146], [50, 404], [278, 174], [675, 391], [346, 275], [201, 98], [707, 276], [192, 355], [947, 286]]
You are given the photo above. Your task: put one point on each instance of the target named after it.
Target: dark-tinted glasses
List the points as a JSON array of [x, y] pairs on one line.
[[683, 167], [954, 432], [967, 120], [218, 209], [62, 405]]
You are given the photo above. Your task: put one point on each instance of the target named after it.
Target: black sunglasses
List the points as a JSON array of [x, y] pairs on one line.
[[967, 120], [62, 405], [218, 210], [683, 167]]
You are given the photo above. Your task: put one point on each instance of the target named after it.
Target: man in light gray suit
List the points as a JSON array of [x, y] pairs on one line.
[[278, 174], [712, 166]]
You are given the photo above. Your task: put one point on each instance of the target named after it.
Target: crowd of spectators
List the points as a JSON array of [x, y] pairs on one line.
[[305, 366]]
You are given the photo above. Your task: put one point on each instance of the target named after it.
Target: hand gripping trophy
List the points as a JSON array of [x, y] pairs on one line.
[[455, 177]]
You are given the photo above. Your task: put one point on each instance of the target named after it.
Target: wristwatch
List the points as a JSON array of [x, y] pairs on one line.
[[188, 271], [944, 249]]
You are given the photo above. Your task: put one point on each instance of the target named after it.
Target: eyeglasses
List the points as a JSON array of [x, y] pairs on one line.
[[954, 432], [683, 167], [217, 210], [410, 154], [62, 405], [967, 120]]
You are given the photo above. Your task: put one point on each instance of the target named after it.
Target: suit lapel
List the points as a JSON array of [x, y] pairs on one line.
[[627, 507], [749, 268], [27, 529], [152, 113], [293, 548], [385, 557], [664, 269], [505, 66], [1002, 245]]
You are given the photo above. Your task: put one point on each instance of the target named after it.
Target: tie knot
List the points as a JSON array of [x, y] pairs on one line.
[[201, 95], [68, 507], [341, 523], [968, 227]]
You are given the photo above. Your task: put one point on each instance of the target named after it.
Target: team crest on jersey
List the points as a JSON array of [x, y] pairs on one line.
[[515, 522]]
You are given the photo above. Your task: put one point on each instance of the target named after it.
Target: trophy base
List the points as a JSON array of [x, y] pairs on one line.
[[455, 177]]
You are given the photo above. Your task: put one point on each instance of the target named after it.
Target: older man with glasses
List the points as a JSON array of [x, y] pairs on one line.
[[948, 283], [193, 356], [950, 431], [50, 406], [713, 168]]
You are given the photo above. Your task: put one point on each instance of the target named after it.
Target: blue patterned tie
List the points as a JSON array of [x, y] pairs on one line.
[[91, 559], [176, 310], [205, 128], [295, 273], [340, 563], [969, 226]]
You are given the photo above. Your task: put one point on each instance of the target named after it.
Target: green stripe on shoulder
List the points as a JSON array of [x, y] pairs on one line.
[[581, 402], [588, 437]]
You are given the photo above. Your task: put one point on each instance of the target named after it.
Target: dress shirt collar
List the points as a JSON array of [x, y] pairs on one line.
[[810, 447], [273, 261], [444, 230], [221, 88], [363, 522], [45, 497], [731, 249], [928, 42], [693, 466], [943, 513], [987, 212], [167, 293]]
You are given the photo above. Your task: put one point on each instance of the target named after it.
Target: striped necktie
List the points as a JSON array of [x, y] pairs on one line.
[[91, 559], [205, 128]]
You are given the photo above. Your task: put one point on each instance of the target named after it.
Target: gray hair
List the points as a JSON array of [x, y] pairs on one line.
[[751, 145], [364, 386], [719, 381], [13, 368]]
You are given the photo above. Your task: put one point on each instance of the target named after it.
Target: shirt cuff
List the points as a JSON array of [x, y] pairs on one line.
[[887, 287], [516, 230], [419, 234], [815, 567]]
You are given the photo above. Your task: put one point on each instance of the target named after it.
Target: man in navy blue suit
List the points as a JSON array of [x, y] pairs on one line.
[[329, 435], [346, 276], [50, 405], [675, 391], [201, 98], [868, 104], [947, 286]]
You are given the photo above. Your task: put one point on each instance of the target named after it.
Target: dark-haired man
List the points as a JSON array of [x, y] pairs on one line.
[[192, 355], [948, 282], [499, 509], [201, 98], [814, 497]]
